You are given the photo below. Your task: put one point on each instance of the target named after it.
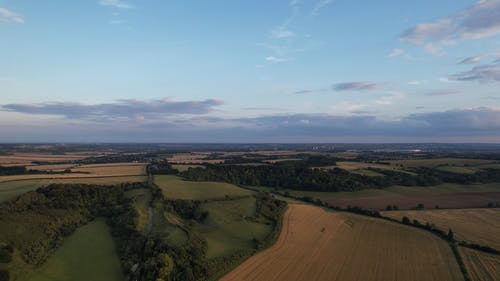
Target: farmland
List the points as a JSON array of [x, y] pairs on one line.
[[479, 226], [481, 266], [176, 188], [318, 245], [408, 197], [88, 254], [87, 171]]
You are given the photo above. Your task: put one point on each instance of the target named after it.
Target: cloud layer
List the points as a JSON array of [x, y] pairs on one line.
[[484, 73], [122, 109], [480, 20]]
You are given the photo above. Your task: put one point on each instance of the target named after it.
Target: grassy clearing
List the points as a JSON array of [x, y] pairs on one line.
[[480, 226], [481, 266], [229, 229], [351, 166], [141, 198], [365, 172], [168, 226], [175, 188], [320, 245], [88, 254]]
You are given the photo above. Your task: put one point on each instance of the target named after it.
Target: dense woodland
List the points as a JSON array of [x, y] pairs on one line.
[[301, 175]]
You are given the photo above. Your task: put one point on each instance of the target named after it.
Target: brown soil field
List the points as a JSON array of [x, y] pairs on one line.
[[450, 200], [480, 226], [87, 171], [481, 266], [320, 245]]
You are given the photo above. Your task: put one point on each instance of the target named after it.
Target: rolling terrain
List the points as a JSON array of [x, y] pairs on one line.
[[319, 245]]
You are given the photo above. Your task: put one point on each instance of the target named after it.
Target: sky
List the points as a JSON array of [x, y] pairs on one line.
[[250, 71]]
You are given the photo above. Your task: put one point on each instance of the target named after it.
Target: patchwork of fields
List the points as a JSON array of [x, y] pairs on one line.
[[318, 245]]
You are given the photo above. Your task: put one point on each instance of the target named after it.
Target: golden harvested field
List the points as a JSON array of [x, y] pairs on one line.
[[28, 158], [87, 171], [481, 266], [320, 245], [481, 226]]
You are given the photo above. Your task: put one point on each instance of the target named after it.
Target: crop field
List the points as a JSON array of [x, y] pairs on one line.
[[227, 228], [320, 245], [87, 171], [408, 197], [175, 188], [88, 254], [480, 226], [11, 189], [481, 266], [192, 158], [435, 162], [28, 158]]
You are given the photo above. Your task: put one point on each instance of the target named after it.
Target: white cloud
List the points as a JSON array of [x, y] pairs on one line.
[[10, 17], [320, 5], [281, 32], [274, 59], [116, 3], [395, 53]]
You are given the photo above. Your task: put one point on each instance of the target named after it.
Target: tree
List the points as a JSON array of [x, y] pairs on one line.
[[450, 235], [406, 220]]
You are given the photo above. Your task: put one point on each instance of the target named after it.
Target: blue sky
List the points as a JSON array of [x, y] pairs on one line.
[[249, 71]]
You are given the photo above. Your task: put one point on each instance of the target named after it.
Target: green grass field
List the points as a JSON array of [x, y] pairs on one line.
[[88, 254], [175, 188], [228, 228], [12, 189]]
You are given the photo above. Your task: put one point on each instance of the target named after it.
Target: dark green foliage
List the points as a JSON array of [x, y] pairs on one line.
[[6, 254], [450, 236], [162, 167], [4, 275], [301, 175], [406, 220]]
